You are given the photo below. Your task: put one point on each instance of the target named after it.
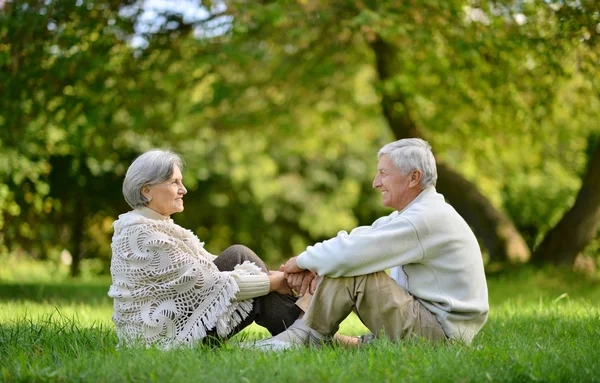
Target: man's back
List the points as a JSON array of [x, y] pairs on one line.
[[449, 279]]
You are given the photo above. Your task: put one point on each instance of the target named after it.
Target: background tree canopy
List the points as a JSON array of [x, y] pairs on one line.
[[279, 108]]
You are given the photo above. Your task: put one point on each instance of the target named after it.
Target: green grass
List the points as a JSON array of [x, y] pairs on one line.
[[543, 326]]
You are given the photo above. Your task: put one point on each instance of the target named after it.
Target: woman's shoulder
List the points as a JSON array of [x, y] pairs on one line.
[[134, 222], [129, 219], [135, 217]]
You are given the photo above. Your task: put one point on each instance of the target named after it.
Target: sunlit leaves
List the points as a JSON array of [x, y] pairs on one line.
[[278, 115]]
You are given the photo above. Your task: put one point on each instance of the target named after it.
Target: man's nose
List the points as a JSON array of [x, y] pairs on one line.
[[376, 181]]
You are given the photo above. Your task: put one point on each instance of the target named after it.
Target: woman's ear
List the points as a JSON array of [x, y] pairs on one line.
[[147, 192]]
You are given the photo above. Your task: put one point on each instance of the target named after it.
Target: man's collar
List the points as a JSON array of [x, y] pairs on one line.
[[425, 192]]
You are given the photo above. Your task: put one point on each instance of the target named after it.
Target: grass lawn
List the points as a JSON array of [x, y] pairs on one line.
[[543, 326]]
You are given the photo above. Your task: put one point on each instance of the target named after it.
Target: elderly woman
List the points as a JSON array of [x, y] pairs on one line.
[[168, 290]]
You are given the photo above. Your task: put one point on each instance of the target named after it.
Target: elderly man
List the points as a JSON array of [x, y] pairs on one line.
[[436, 288]]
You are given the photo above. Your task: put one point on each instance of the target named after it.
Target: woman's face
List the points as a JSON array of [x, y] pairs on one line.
[[167, 197]]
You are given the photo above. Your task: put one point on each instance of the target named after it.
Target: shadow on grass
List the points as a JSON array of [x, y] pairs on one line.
[[54, 292]]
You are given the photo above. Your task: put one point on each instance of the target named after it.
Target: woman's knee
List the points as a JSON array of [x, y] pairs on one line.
[[237, 254], [239, 251]]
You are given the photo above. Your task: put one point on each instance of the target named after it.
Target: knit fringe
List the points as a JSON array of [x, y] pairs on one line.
[[225, 315], [248, 268]]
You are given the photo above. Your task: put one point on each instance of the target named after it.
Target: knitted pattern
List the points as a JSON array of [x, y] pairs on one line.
[[167, 291]]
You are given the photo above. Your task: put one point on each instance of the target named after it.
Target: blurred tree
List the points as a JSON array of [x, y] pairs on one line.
[[499, 235], [73, 100], [579, 24], [56, 107], [474, 80], [278, 109], [579, 225]]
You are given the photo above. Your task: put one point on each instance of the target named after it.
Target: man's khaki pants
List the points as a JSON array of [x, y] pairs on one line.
[[380, 303]]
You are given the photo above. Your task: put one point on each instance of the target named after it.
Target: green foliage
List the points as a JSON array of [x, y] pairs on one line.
[[507, 93], [277, 113], [57, 134]]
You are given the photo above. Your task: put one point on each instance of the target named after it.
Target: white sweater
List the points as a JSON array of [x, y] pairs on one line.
[[166, 289], [432, 253]]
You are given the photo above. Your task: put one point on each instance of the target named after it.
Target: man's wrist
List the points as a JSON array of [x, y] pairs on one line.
[[291, 266], [298, 263]]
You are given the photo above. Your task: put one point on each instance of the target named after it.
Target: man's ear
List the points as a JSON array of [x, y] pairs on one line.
[[415, 178]]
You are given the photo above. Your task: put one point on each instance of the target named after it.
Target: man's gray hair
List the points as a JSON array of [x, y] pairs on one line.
[[410, 154], [151, 168]]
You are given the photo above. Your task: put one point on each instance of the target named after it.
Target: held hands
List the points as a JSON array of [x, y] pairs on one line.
[[292, 267], [300, 280], [278, 283], [303, 282]]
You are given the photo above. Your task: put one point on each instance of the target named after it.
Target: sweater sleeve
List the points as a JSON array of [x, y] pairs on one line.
[[365, 251], [251, 286]]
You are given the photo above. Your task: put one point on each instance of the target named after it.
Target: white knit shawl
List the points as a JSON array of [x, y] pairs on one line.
[[167, 291]]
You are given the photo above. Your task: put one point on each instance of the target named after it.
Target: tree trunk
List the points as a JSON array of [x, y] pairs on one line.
[[578, 227], [499, 235], [77, 238]]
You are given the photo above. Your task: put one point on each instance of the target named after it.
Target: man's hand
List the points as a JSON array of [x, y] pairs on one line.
[[292, 267], [300, 280], [303, 282]]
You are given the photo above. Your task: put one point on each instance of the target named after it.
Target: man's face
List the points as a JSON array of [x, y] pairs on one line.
[[397, 189]]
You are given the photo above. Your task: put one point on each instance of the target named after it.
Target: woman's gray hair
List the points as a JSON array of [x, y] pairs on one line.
[[410, 154], [151, 168]]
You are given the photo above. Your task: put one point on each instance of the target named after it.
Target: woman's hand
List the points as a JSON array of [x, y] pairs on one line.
[[278, 283]]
